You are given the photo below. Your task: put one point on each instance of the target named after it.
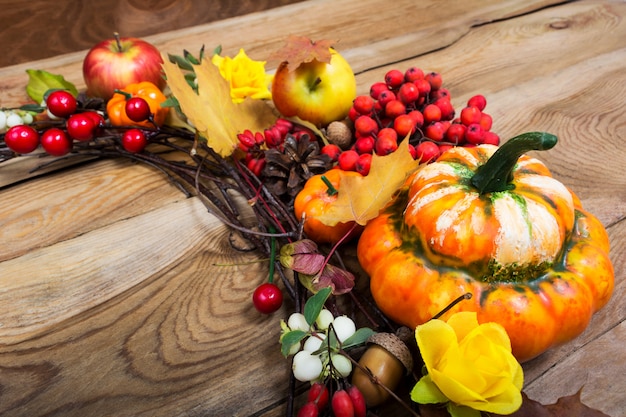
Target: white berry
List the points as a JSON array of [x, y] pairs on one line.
[[344, 327], [313, 343], [306, 367], [3, 121], [342, 365], [324, 319], [297, 321], [14, 119]]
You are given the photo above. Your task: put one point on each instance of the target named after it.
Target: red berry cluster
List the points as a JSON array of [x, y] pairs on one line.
[[253, 144], [81, 126], [347, 402], [413, 104]]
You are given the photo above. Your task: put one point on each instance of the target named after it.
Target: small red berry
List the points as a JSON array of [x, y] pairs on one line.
[[61, 103], [474, 134], [378, 88], [491, 138], [432, 113], [478, 101], [413, 73], [332, 150], [408, 93], [318, 394], [134, 140], [256, 165], [365, 126], [81, 126], [308, 410], [388, 133], [417, 117], [347, 160], [342, 404], [358, 401], [440, 93], [137, 109], [404, 125], [445, 105], [435, 131], [267, 298], [364, 145], [394, 108], [55, 142], [423, 87], [485, 121], [470, 115], [98, 121], [427, 151], [434, 79], [363, 164], [394, 78], [21, 139], [385, 97], [444, 148], [456, 133], [363, 104], [385, 146], [353, 114]]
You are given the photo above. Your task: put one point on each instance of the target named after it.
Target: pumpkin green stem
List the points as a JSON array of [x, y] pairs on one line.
[[331, 189], [495, 174]]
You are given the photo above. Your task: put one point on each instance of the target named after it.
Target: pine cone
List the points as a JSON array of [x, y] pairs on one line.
[[286, 171]]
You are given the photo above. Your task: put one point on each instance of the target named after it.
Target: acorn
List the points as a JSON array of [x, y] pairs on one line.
[[340, 133], [388, 359]]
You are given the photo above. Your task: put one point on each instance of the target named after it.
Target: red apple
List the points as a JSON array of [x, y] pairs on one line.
[[315, 91], [115, 63]]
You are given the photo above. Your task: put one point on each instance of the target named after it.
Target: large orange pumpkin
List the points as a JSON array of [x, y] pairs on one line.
[[492, 222]]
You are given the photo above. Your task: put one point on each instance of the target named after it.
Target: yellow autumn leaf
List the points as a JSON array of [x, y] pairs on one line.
[[360, 199], [212, 111]]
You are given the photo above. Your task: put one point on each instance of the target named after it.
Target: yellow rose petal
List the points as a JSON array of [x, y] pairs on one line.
[[434, 339], [463, 323]]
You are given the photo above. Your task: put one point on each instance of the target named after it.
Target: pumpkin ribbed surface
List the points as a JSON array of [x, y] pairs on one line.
[[533, 259]]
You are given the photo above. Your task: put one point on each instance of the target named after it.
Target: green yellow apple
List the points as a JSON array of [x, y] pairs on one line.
[[317, 92], [115, 63]]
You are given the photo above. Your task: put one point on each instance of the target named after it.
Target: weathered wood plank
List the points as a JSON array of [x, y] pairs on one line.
[[112, 304]]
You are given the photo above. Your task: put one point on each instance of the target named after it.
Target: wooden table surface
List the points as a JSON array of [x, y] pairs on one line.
[[114, 297]]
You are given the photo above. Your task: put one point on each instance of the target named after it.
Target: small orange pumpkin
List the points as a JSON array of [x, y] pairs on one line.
[[492, 222], [317, 196]]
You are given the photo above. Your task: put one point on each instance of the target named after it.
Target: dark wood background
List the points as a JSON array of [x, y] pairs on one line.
[[38, 29]]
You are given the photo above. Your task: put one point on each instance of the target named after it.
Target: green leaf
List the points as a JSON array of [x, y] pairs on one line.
[[315, 304], [359, 337], [34, 108], [40, 81], [289, 339], [180, 61]]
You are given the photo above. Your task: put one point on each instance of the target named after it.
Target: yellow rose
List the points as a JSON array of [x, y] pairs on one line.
[[247, 78], [470, 367]]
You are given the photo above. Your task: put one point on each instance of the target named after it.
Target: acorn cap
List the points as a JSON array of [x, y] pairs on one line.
[[396, 347]]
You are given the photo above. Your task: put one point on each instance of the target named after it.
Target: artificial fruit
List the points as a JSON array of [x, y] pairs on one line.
[[115, 63]]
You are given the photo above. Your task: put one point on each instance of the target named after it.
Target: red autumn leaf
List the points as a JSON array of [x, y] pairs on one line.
[[300, 49]]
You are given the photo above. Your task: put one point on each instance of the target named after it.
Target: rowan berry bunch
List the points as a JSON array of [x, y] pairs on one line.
[[411, 104]]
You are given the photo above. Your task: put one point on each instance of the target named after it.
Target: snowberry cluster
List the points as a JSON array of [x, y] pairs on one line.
[[253, 144], [311, 362], [411, 104], [81, 126], [14, 117]]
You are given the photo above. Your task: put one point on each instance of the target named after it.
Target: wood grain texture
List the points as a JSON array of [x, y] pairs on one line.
[[112, 299], [40, 29]]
